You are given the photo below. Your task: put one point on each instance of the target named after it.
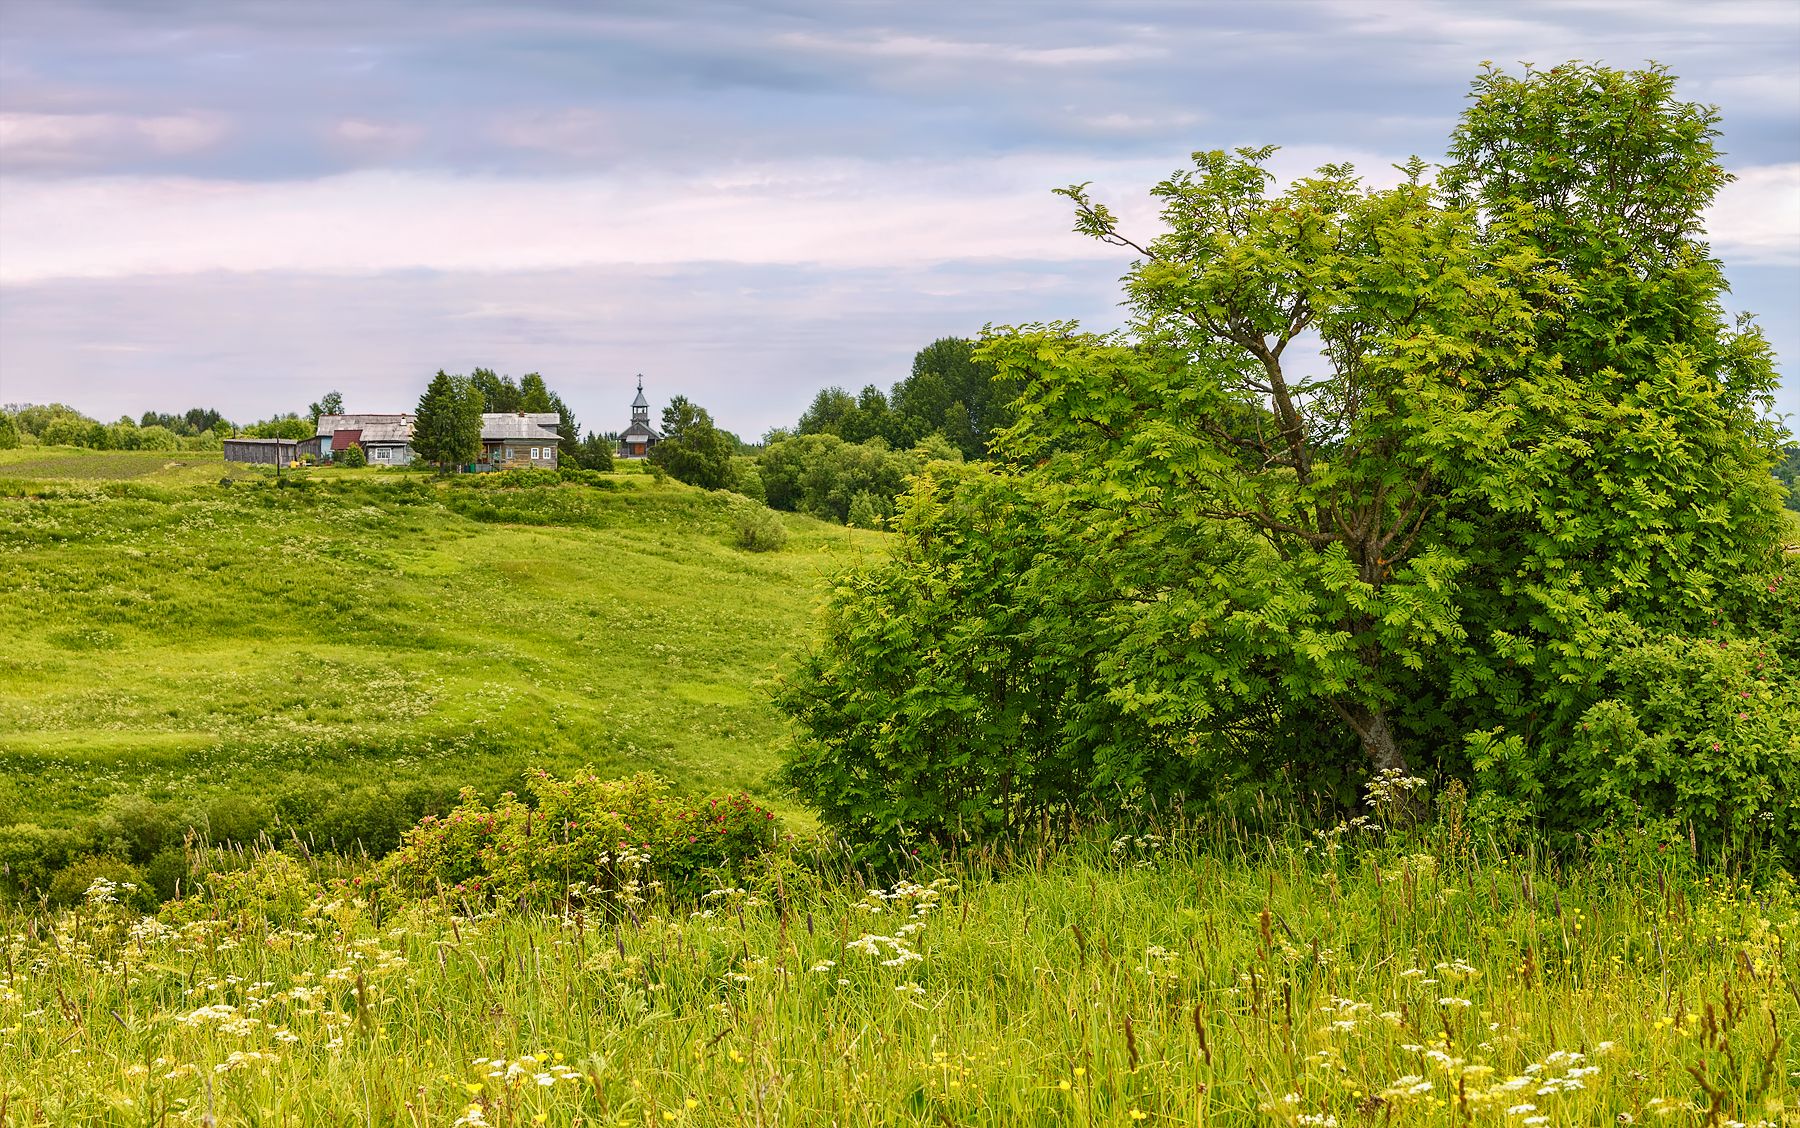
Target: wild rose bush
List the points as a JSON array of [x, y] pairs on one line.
[[586, 839]]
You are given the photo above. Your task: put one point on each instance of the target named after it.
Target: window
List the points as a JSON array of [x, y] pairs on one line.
[[534, 454], [382, 455]]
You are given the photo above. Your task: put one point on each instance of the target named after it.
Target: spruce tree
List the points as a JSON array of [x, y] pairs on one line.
[[447, 432]]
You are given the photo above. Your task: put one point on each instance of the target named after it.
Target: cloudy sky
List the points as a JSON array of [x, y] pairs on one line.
[[245, 204]]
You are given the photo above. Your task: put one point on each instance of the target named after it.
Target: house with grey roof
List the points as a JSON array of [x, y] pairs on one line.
[[386, 439], [509, 439], [518, 438]]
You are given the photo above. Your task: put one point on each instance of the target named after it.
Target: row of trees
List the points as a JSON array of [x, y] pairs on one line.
[[198, 428], [952, 393], [1515, 526]]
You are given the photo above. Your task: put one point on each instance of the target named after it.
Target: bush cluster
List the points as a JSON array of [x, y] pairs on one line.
[[587, 839], [150, 844]]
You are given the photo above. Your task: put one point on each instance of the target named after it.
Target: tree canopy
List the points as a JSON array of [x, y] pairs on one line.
[[693, 449], [1469, 477], [447, 429], [951, 392]]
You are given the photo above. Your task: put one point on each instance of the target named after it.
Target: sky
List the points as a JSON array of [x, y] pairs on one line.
[[244, 205]]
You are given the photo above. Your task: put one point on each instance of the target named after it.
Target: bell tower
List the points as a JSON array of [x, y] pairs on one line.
[[640, 407]]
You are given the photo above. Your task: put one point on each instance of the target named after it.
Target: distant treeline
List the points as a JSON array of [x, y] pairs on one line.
[[58, 424], [849, 456]]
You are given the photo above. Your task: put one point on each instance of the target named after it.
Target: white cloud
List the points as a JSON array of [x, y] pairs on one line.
[[68, 140], [374, 136], [830, 213], [1756, 218]]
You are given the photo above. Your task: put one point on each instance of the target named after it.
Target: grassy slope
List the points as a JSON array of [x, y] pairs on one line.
[[174, 637]]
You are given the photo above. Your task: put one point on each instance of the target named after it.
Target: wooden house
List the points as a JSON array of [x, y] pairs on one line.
[[386, 439], [513, 439]]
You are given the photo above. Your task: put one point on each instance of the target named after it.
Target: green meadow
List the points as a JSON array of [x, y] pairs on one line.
[[193, 638], [182, 629]]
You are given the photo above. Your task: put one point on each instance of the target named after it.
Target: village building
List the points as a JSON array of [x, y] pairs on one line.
[[262, 452], [638, 438], [509, 439], [516, 439], [386, 439]]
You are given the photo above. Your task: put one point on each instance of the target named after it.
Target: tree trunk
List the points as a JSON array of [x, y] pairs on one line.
[[1371, 725]]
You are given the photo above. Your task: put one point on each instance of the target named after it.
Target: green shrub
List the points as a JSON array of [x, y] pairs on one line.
[[273, 886], [30, 855], [365, 820], [586, 838], [71, 884], [746, 479], [237, 819], [167, 873], [869, 511], [756, 528], [1700, 734], [351, 457], [138, 828]]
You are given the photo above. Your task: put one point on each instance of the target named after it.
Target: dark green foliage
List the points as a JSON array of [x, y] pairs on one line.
[[31, 856], [351, 457], [952, 392], [1696, 732], [746, 479], [498, 393], [534, 395], [196, 429], [585, 839], [693, 449], [237, 820], [595, 452], [9, 432], [958, 692], [167, 873], [331, 403], [287, 426], [129, 888], [447, 431], [822, 475]]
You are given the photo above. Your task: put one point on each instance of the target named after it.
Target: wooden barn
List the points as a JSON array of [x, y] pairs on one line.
[[262, 452]]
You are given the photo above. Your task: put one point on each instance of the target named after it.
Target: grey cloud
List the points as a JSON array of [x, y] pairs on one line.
[[683, 80]]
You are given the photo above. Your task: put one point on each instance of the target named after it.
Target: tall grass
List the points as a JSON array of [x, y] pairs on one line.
[[1190, 975]]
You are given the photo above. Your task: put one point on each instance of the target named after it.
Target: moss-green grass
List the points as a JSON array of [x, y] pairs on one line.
[[172, 636]]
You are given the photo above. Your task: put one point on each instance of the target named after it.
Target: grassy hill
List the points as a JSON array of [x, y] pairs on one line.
[[193, 641], [180, 636]]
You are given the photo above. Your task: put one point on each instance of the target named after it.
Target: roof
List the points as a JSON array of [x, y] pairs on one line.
[[329, 423], [387, 432], [640, 401], [266, 442], [538, 426], [639, 431]]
